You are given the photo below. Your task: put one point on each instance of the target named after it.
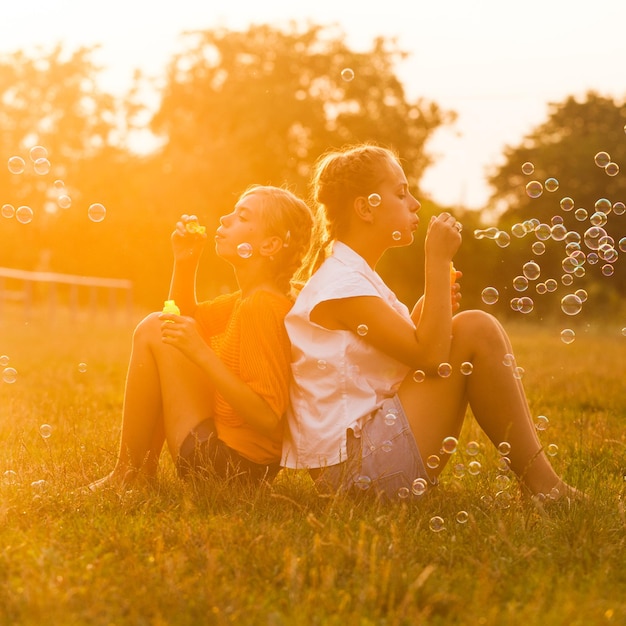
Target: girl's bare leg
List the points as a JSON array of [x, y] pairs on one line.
[[166, 395], [436, 407]]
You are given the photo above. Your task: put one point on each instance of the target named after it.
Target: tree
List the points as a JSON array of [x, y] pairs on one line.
[[564, 149], [260, 106]]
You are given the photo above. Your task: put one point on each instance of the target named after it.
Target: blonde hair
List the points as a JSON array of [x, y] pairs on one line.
[[290, 218], [340, 176]]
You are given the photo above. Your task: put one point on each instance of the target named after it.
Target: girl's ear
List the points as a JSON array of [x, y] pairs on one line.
[[271, 246], [363, 209]]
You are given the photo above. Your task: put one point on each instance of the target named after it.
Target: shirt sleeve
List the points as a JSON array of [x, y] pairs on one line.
[[265, 349]]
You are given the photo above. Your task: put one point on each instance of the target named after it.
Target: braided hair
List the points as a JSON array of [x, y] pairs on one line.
[[339, 177]]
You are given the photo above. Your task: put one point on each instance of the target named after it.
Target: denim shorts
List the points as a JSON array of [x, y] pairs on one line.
[[202, 455], [383, 459]]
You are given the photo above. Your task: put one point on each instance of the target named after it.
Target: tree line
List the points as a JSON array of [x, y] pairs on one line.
[[259, 106]]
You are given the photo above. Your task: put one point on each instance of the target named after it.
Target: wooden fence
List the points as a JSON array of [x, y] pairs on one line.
[[55, 292]]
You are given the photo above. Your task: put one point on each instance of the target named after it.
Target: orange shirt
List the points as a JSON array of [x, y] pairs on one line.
[[249, 337]]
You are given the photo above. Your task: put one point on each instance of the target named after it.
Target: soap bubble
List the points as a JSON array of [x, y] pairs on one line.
[[603, 205], [534, 189], [64, 201], [593, 236], [45, 430], [41, 167], [571, 304], [538, 247], [474, 468], [531, 270], [436, 524], [619, 208], [396, 235], [4, 360], [38, 152], [472, 448], [503, 482], [362, 330], [518, 230], [602, 159], [390, 418], [347, 74], [386, 446], [551, 184], [581, 214], [462, 517], [24, 214], [82, 367], [467, 367], [568, 335], [582, 294], [8, 211], [526, 305], [321, 364], [598, 219], [10, 477], [543, 232], [432, 462], [567, 279], [374, 199], [449, 445], [520, 283], [444, 370], [244, 250], [490, 295], [608, 270], [503, 239], [558, 232], [612, 169], [552, 449], [508, 360], [403, 493], [363, 482], [541, 423], [518, 372], [16, 165], [419, 376], [419, 486], [9, 375], [567, 204], [459, 470], [504, 448], [58, 184], [541, 288], [96, 212], [528, 168]]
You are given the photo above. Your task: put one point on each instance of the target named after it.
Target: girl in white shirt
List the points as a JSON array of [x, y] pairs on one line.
[[377, 388]]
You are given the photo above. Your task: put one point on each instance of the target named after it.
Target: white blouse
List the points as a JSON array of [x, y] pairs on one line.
[[338, 379]]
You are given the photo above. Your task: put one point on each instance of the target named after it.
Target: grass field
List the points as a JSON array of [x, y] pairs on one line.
[[285, 555]]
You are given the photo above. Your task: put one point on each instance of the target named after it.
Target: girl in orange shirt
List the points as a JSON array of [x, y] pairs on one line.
[[213, 381]]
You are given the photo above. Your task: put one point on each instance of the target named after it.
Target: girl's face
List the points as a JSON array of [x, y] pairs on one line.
[[396, 214], [242, 232]]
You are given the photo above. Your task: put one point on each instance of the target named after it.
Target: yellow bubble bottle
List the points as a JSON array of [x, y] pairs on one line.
[[194, 227], [169, 306]]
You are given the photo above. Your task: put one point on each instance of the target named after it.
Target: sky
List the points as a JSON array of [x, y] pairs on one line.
[[497, 64]]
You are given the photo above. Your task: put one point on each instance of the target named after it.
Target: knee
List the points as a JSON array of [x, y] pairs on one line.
[[476, 326], [148, 329]]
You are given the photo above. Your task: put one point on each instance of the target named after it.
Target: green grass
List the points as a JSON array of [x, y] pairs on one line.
[[286, 556]]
